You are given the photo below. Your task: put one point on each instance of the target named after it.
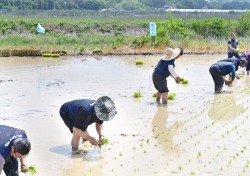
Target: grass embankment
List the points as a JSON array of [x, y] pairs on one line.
[[78, 37]]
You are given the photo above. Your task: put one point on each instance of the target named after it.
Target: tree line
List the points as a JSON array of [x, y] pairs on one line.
[[120, 5]]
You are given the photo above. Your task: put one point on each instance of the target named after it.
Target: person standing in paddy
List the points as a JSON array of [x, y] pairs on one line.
[[163, 70], [246, 56], [233, 47]]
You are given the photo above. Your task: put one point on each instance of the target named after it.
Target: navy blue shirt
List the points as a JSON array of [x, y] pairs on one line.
[[7, 136], [235, 61], [162, 67], [81, 112], [226, 68], [233, 44]]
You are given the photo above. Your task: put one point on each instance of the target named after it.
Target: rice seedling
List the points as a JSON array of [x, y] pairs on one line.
[[154, 95], [184, 81], [139, 62], [50, 55], [102, 142], [171, 96], [137, 95], [97, 51], [32, 170]]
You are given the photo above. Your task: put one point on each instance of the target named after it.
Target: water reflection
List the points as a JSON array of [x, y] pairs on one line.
[[163, 133], [224, 107]]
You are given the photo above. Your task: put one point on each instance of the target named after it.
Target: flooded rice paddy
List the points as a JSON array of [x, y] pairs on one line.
[[198, 133]]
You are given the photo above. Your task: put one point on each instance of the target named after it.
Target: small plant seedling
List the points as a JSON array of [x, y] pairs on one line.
[[154, 95], [171, 96], [139, 62], [32, 170], [102, 142], [184, 81], [137, 95]]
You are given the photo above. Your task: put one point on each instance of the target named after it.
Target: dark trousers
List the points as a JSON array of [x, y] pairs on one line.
[[217, 77], [11, 167], [68, 122], [230, 55]]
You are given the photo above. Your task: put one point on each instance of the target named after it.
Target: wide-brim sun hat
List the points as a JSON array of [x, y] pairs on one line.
[[105, 108], [171, 53]]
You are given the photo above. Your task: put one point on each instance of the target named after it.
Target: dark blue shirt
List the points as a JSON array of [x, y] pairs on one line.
[[233, 44], [226, 68], [81, 112], [235, 61], [162, 67], [7, 136]]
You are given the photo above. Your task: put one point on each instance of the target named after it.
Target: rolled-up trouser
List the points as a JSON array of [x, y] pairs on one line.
[[217, 77], [11, 167]]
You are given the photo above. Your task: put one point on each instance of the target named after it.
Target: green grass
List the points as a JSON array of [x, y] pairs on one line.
[[74, 34]]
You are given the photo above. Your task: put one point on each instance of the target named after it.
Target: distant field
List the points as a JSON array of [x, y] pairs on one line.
[[87, 32]]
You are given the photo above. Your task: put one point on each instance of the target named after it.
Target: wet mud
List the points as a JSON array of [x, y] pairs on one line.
[[198, 133]]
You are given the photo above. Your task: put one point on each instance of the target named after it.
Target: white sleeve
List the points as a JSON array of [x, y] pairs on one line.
[[172, 72], [2, 162]]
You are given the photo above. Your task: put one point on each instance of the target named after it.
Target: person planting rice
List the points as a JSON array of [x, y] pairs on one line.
[[14, 145], [163, 70], [246, 56], [79, 114], [220, 69]]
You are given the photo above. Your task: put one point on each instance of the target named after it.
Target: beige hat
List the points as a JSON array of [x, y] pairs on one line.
[[171, 53]]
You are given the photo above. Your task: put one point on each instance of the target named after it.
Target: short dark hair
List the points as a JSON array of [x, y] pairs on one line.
[[22, 146]]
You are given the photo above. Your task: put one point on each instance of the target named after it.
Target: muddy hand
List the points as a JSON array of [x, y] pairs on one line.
[[228, 82], [177, 79], [24, 168]]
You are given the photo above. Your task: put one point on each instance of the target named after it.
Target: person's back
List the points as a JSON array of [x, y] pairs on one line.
[[225, 67], [72, 107]]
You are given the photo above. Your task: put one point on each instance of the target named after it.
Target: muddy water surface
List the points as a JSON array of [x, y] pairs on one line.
[[198, 133]]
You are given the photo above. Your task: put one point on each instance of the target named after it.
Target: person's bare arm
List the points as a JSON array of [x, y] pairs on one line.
[[84, 135], [99, 129], [174, 74], [24, 166]]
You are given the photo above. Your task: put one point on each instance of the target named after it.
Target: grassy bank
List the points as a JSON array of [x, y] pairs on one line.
[[74, 36]]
